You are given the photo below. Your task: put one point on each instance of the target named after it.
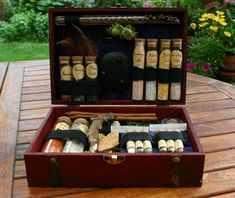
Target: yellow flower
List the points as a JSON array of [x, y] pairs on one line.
[[203, 24], [205, 15], [233, 20], [214, 28], [228, 34], [193, 25], [219, 12], [223, 23], [203, 19]]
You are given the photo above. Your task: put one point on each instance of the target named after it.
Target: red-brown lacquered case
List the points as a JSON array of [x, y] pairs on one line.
[[116, 169]]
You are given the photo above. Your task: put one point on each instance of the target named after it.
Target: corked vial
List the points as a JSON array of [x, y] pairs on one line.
[[138, 69], [76, 145], [176, 70], [56, 145], [163, 70], [91, 74], [150, 70]]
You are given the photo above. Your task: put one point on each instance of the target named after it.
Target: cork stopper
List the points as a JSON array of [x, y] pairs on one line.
[[139, 40], [64, 119], [177, 42], [64, 59], [77, 58], [151, 42], [90, 58], [81, 121], [165, 43]]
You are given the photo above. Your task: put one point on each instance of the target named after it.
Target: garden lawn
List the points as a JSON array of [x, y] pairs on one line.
[[23, 51]]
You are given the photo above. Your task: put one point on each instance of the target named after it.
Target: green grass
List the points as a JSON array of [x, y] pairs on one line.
[[23, 51]]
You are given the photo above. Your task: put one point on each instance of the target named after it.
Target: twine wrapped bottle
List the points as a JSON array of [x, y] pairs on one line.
[[164, 67], [138, 63], [176, 63], [151, 66]]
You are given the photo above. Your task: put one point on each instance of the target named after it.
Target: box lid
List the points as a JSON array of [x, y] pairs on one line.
[[114, 55]]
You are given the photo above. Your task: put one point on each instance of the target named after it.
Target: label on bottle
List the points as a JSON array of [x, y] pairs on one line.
[[176, 58], [165, 59], [92, 70], [130, 144], [66, 73], [152, 58], [161, 144], [138, 58], [138, 144], [61, 126], [178, 144], [78, 71], [147, 144]]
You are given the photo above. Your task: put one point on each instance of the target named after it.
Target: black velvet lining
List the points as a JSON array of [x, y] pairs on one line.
[[137, 73], [150, 74], [163, 75], [71, 20], [134, 136], [68, 134], [166, 135], [86, 87], [176, 75]]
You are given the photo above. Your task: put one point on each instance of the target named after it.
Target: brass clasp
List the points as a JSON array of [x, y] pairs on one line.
[[114, 159]]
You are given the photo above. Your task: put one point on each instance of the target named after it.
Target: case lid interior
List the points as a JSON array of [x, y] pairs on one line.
[[114, 55]]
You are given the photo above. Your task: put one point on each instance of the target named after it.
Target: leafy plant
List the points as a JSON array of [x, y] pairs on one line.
[[205, 55]]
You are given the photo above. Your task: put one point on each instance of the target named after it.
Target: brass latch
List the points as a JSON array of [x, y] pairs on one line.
[[175, 171], [114, 159], [54, 171]]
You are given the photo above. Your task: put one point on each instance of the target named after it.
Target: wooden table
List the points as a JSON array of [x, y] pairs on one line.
[[25, 99]]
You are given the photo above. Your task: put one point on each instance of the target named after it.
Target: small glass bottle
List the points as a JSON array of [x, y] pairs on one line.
[[54, 145], [151, 62], [75, 145], [78, 72], [65, 73], [176, 62], [91, 74], [164, 64], [138, 62], [147, 146]]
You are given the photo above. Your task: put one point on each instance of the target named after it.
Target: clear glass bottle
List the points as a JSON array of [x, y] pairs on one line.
[[76, 145], [78, 72], [55, 145], [151, 63], [176, 62], [91, 74], [164, 64], [139, 62]]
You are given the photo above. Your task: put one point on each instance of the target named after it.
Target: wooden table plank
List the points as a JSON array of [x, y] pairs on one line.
[[211, 116], [222, 180], [200, 89], [202, 97], [33, 114], [218, 143], [25, 137], [220, 160], [35, 104], [9, 113], [3, 71], [36, 89], [36, 97]]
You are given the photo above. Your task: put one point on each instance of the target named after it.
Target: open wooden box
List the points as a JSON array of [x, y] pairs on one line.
[[94, 169]]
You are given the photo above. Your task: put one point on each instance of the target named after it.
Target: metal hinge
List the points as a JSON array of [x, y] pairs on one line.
[[54, 171], [114, 159], [175, 171]]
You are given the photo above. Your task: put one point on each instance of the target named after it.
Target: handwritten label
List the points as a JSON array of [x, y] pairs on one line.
[[165, 59], [92, 70], [78, 71], [176, 58], [61, 126], [66, 73], [152, 58]]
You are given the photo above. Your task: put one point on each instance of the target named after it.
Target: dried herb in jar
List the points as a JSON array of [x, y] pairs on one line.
[[164, 67]]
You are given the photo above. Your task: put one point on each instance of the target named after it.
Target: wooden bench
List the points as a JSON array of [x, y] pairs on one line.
[[25, 99]]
